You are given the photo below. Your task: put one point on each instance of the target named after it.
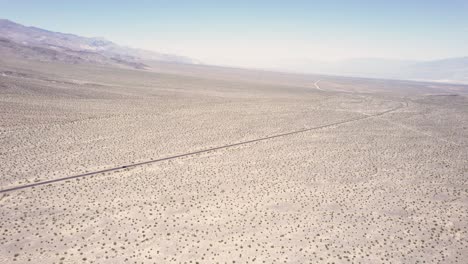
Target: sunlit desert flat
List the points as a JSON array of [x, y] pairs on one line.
[[195, 164]]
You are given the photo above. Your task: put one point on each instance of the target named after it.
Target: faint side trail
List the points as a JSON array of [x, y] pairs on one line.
[[419, 131], [409, 128], [317, 86], [118, 168]]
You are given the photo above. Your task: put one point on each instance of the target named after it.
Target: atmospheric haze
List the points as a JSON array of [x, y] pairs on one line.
[[126, 138]]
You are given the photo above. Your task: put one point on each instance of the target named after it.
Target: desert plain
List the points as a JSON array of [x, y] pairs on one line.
[[216, 165]]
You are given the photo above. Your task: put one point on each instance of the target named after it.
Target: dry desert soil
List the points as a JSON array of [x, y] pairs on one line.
[[197, 164]]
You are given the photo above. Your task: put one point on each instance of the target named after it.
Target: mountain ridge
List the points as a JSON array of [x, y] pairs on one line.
[[72, 48]]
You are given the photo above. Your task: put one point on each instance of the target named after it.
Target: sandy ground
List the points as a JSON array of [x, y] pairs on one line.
[[386, 184]]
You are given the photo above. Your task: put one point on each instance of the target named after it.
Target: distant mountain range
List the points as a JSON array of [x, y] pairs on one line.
[[453, 70], [38, 44]]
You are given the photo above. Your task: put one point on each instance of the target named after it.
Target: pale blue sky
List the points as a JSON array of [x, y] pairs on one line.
[[262, 33]]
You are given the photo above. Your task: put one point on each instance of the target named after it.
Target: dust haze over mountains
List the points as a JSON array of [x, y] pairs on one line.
[[453, 70], [39, 44]]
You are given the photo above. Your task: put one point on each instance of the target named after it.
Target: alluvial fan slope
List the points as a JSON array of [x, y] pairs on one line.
[[380, 177]]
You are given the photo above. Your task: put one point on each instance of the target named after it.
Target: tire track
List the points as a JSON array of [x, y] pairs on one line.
[[118, 168]]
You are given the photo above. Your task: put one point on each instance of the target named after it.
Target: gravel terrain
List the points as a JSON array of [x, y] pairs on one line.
[[376, 173]]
